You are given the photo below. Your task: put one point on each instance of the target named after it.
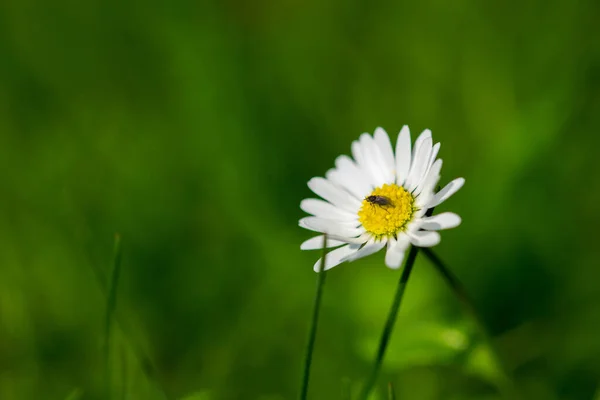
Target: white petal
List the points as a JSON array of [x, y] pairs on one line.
[[403, 157], [395, 251], [445, 220], [426, 134], [333, 194], [385, 147], [357, 153], [323, 209], [419, 213], [433, 177], [302, 224], [428, 173], [345, 164], [361, 239], [316, 242], [330, 227], [420, 161], [336, 256], [368, 249], [446, 192], [350, 176], [424, 238], [414, 225], [434, 152], [372, 163]]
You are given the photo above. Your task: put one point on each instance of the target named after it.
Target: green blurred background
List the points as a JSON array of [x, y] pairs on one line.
[[191, 128]]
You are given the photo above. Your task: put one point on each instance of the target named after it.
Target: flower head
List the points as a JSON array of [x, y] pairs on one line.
[[379, 198]]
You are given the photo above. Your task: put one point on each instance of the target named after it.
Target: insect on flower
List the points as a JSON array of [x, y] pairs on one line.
[[379, 200]]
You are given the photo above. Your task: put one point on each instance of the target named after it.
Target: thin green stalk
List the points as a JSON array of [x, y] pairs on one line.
[[124, 374], [313, 326], [391, 393], [597, 394], [75, 394], [461, 293], [391, 320], [111, 302], [456, 286], [138, 351]]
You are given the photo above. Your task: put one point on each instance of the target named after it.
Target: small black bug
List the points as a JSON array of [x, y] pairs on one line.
[[379, 200]]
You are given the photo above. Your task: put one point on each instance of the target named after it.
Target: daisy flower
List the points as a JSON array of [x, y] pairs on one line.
[[379, 198]]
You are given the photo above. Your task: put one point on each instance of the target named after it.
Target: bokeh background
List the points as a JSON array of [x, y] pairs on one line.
[[191, 129]]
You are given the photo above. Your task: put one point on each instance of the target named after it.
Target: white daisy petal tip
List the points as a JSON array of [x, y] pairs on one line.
[[316, 243], [447, 191], [370, 248], [447, 220], [380, 132], [393, 258], [365, 138], [403, 155], [425, 238], [302, 224], [335, 257]]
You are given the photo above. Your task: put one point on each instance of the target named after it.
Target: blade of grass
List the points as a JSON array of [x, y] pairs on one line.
[[597, 394], [391, 320], [461, 293], [314, 322], [145, 363], [125, 375], [454, 283], [391, 393], [111, 303], [75, 395]]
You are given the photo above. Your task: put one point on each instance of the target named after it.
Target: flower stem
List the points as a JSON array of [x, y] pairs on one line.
[[391, 320], [314, 322]]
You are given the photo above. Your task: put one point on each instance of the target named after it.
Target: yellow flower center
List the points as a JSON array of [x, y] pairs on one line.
[[386, 211]]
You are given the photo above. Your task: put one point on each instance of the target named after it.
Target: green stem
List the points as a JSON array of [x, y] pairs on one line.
[[391, 393], [313, 325], [391, 320], [138, 351], [459, 290], [111, 303], [454, 283]]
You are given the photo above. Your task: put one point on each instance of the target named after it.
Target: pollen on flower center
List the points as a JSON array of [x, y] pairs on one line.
[[387, 210]]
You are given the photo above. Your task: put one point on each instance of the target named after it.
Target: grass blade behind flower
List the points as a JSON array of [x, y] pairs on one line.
[[313, 326], [507, 384], [143, 360], [111, 302], [75, 394], [391, 393]]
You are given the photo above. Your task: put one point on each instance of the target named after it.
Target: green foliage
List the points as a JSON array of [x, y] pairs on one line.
[[192, 128], [75, 395], [198, 396]]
